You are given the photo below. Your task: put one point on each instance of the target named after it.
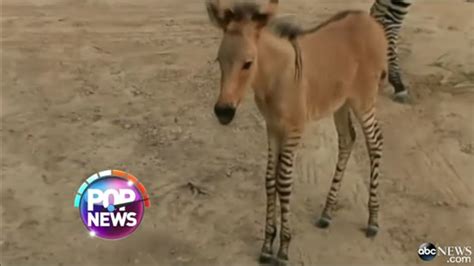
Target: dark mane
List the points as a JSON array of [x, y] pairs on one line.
[[291, 30], [242, 11], [245, 11], [283, 29]]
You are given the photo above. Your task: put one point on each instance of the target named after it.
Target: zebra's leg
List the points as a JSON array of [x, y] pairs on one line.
[[374, 141], [390, 14], [270, 179], [284, 185], [346, 136], [394, 74]]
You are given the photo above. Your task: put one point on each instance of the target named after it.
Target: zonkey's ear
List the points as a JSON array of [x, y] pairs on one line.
[[217, 15], [271, 8]]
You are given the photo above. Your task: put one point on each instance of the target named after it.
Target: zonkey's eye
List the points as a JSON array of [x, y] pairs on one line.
[[247, 65]]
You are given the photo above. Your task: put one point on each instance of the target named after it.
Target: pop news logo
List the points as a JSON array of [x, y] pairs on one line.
[[111, 204], [453, 254]]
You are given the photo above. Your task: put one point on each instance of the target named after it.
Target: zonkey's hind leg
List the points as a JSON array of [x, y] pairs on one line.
[[346, 136], [270, 180], [374, 141], [284, 185]]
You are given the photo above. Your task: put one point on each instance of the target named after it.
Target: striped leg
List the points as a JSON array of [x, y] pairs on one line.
[[346, 137], [374, 141], [391, 13], [270, 222], [284, 185], [394, 73]]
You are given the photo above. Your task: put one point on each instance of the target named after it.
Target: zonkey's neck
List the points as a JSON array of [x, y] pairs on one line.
[[275, 62]]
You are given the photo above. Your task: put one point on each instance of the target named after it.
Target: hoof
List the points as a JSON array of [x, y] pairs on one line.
[[323, 222], [265, 258], [372, 231], [281, 262], [401, 97]]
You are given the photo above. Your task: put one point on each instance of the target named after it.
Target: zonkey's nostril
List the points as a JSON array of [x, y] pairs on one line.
[[224, 110], [225, 114]]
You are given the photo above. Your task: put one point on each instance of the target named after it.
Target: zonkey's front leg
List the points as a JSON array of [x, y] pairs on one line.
[[283, 186], [270, 180]]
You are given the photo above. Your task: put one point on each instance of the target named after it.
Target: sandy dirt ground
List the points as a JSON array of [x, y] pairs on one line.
[[89, 85]]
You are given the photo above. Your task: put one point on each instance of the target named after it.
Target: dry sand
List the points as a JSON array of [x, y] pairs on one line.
[[89, 85]]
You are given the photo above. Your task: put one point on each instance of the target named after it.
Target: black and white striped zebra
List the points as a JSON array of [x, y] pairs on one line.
[[391, 13]]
